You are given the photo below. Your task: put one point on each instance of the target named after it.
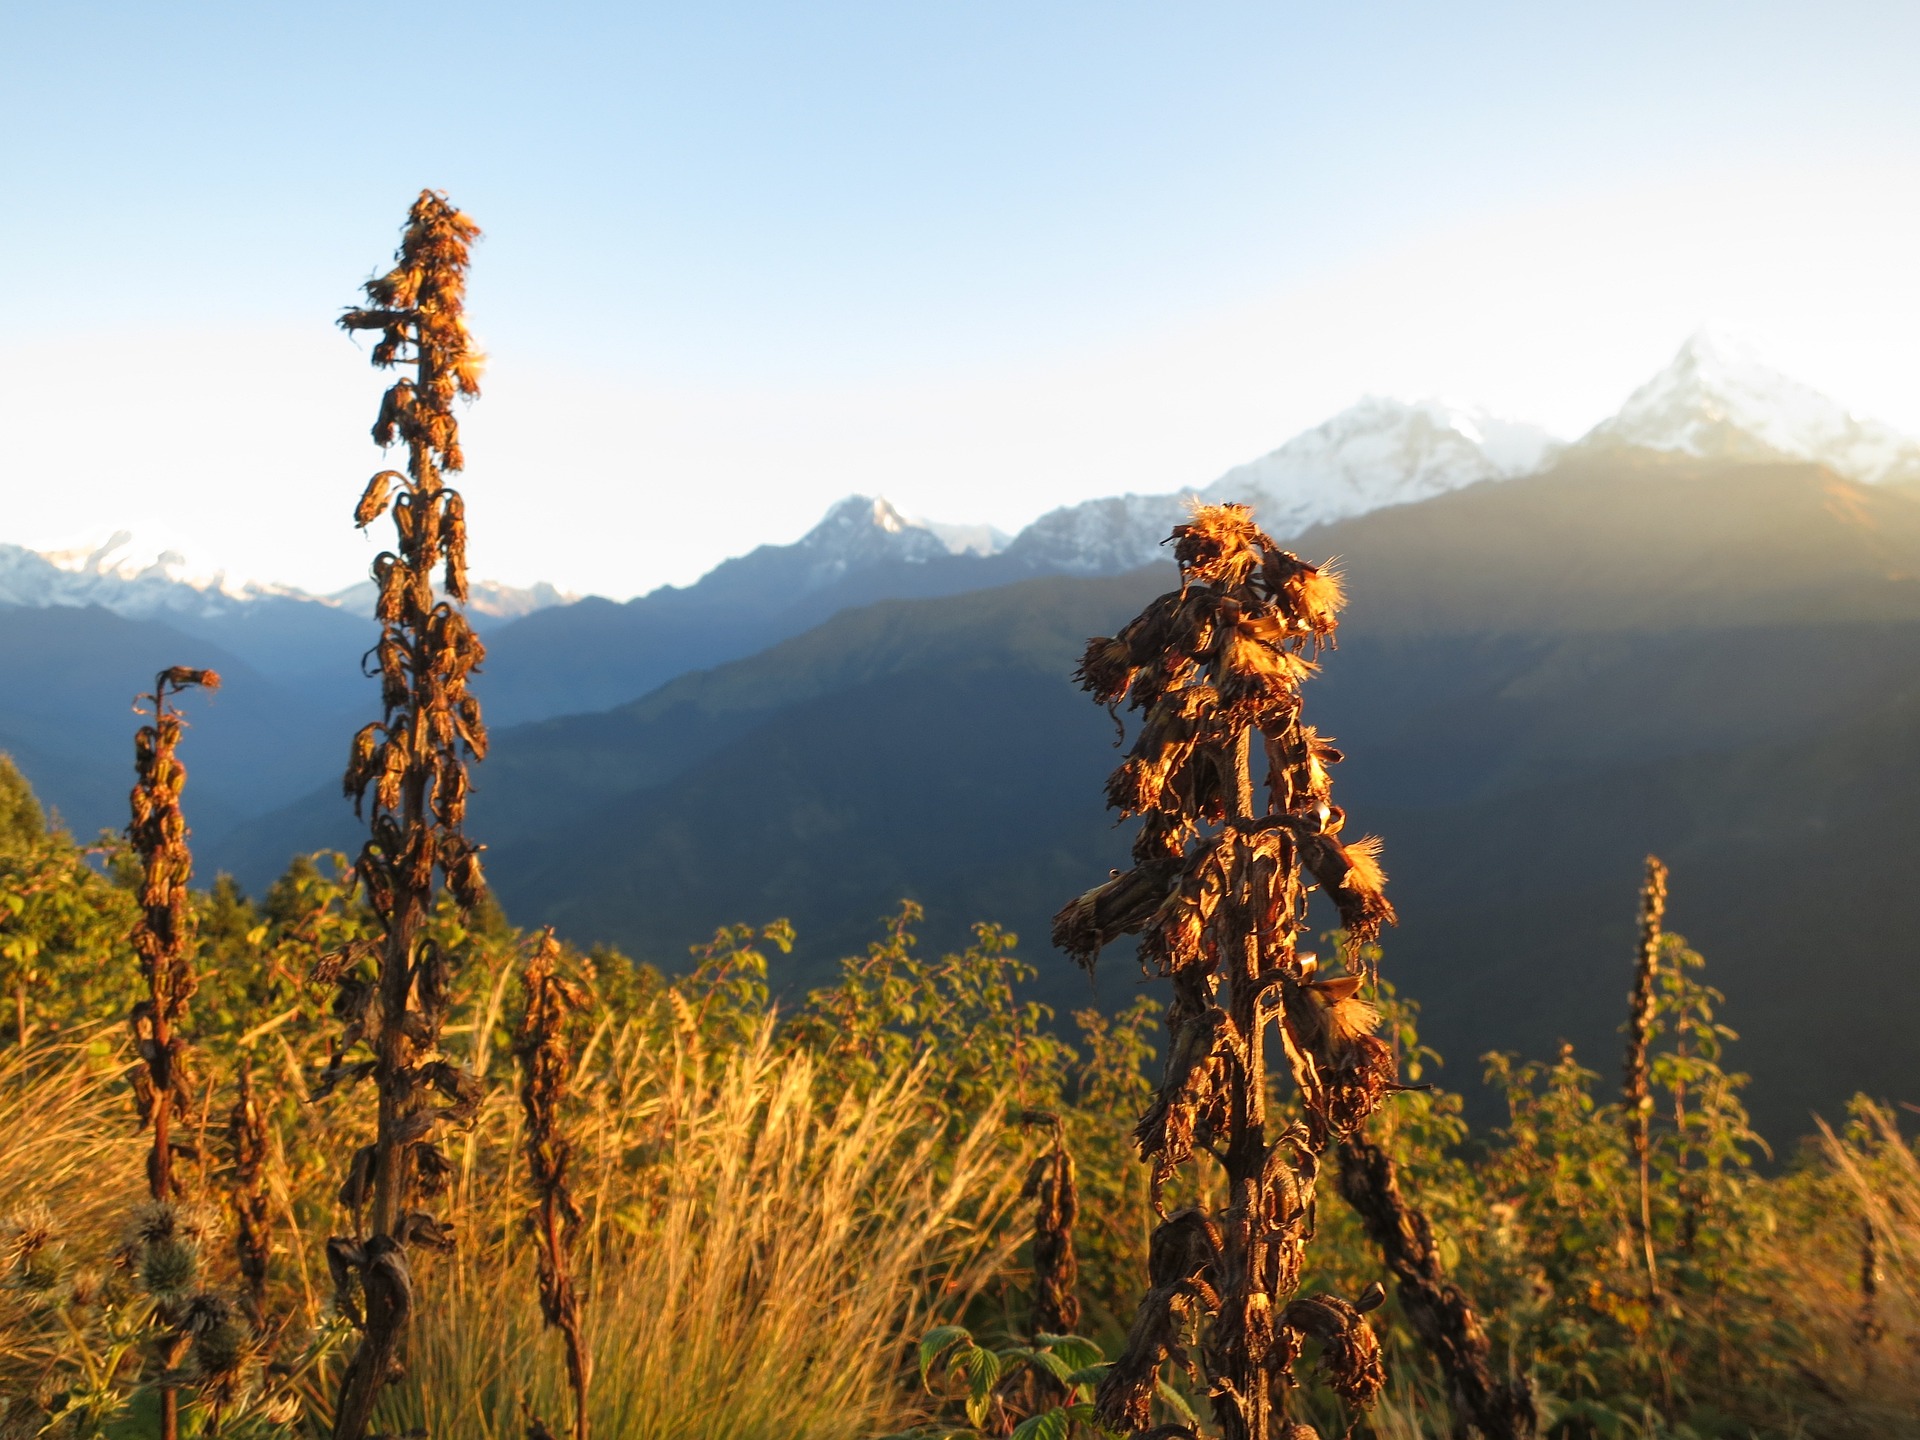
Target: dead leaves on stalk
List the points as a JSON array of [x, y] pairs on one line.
[[410, 765], [1217, 895]]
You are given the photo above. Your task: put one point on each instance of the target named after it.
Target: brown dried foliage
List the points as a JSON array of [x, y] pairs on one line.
[[252, 1201], [1443, 1316], [1218, 896], [1053, 1187], [162, 1086], [554, 1221], [410, 768], [161, 937]]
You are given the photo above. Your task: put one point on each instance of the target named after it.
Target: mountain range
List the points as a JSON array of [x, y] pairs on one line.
[[1692, 631]]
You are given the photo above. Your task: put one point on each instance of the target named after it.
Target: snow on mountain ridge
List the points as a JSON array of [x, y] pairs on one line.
[[1377, 453], [1717, 397], [1101, 537], [159, 586]]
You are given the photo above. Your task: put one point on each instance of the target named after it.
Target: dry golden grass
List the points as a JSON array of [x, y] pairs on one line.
[[1862, 1355], [755, 1259], [71, 1160]]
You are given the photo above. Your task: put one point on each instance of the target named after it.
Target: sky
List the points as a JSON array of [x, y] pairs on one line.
[[982, 258]]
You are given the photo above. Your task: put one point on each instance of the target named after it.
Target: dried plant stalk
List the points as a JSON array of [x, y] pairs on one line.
[[1053, 1188], [1218, 894], [412, 761], [1869, 1327], [1443, 1316], [545, 1070], [162, 938], [248, 1136], [1636, 1090]]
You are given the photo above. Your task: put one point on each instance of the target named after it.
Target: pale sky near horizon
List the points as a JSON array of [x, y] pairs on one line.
[[982, 258]]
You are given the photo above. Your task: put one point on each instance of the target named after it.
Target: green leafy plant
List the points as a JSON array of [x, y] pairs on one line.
[[1037, 1390]]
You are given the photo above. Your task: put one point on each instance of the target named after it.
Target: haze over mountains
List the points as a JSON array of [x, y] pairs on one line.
[[1695, 630]]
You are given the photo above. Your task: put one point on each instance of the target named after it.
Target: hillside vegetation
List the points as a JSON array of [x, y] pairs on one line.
[[776, 1200]]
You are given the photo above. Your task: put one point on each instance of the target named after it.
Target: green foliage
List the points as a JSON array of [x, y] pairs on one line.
[[22, 822], [1041, 1390], [59, 919], [1757, 1273]]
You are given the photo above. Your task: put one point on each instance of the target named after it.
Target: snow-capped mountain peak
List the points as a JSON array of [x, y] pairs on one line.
[[119, 577], [864, 528], [1719, 398], [1377, 453]]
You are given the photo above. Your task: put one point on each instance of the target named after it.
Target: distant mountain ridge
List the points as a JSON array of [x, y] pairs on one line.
[[1719, 399], [306, 641], [554, 653]]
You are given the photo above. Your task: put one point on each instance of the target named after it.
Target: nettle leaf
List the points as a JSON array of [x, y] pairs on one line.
[[982, 1369], [937, 1342], [977, 1410], [1078, 1351], [1047, 1425], [1088, 1376], [1051, 1363]]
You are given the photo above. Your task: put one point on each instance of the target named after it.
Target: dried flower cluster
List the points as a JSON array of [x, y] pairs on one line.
[[411, 766], [1052, 1186], [1218, 895], [1636, 1092], [545, 1069]]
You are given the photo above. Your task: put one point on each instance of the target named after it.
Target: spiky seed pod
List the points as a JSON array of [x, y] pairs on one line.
[[411, 766], [1053, 1188], [1636, 1094], [1218, 894], [545, 1073], [32, 1258]]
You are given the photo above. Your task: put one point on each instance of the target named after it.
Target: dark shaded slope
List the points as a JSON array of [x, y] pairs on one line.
[[67, 717], [548, 776], [597, 654]]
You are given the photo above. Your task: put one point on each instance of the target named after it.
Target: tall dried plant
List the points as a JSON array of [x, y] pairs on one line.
[[1053, 1187], [162, 939], [413, 761], [1636, 1091], [546, 1067], [1218, 894], [162, 936], [250, 1141], [1441, 1313]]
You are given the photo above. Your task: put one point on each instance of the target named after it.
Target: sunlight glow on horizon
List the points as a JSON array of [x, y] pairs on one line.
[[1095, 306]]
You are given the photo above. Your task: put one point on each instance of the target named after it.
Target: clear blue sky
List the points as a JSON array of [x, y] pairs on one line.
[[985, 258]]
